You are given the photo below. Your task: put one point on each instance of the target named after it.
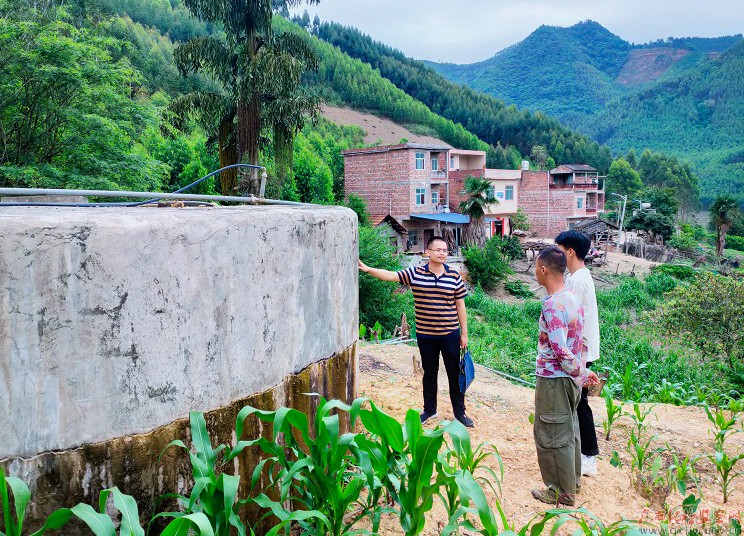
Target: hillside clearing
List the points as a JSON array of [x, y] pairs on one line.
[[375, 128]]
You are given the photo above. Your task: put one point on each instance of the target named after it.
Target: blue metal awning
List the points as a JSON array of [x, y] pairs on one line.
[[444, 217]]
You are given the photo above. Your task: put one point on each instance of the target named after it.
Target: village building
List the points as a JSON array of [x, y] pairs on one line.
[[557, 200], [416, 189], [407, 186]]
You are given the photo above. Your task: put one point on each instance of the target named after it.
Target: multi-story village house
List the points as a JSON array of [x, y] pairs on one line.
[[417, 190]]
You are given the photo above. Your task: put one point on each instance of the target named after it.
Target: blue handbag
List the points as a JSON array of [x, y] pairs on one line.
[[467, 370]]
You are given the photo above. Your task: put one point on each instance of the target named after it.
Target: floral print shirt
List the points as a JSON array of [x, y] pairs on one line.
[[561, 351]]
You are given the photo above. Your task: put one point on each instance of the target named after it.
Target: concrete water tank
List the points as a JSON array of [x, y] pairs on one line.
[[116, 322]]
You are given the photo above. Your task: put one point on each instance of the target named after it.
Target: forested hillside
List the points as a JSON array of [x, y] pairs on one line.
[[561, 71], [696, 114], [682, 96], [513, 132], [110, 123]]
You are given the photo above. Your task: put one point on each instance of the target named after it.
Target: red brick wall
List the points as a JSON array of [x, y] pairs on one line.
[[387, 181], [457, 184], [383, 180]]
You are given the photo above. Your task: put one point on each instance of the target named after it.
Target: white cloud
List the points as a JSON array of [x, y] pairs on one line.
[[471, 30]]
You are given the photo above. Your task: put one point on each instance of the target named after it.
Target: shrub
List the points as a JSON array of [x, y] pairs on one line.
[[683, 241], [519, 289], [708, 314], [678, 271], [735, 242], [380, 301], [510, 246], [487, 265]]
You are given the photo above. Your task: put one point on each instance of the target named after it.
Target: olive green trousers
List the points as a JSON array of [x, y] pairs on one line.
[[556, 431]]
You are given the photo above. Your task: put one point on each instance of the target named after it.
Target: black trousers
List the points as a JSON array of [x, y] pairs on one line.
[[587, 431], [449, 347]]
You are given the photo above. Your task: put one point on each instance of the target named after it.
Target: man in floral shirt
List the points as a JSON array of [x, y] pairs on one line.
[[561, 373]]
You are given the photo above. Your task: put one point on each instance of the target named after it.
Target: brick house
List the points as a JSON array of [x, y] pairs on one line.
[[417, 190], [504, 187], [408, 187], [555, 201]]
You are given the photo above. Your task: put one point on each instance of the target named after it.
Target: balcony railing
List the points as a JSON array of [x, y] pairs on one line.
[[438, 175], [591, 210], [575, 186]]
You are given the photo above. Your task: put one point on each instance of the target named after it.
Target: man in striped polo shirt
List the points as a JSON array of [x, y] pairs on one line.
[[441, 323]]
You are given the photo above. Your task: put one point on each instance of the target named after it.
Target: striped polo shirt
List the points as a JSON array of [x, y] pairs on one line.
[[434, 298]]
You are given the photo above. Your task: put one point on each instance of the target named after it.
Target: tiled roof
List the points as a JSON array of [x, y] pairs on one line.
[[399, 147], [570, 168]]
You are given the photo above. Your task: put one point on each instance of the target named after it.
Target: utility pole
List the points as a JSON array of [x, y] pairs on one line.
[[622, 217]]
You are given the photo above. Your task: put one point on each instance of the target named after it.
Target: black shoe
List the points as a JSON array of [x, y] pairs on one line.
[[425, 416], [465, 420]]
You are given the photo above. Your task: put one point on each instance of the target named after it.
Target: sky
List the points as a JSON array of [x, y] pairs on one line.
[[465, 31]]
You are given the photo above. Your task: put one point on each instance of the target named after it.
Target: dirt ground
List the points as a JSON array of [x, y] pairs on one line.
[[501, 411], [616, 264], [375, 128]]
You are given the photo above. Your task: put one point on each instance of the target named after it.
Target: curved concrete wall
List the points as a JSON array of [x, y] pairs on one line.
[[117, 321]]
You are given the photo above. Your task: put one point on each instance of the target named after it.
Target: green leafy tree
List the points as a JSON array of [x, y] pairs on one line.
[[488, 265], [258, 71], [520, 220], [709, 314], [662, 200], [474, 206], [723, 213], [655, 223], [68, 118], [623, 179], [539, 156], [357, 204]]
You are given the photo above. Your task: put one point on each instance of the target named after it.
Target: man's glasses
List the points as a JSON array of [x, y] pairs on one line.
[[438, 250]]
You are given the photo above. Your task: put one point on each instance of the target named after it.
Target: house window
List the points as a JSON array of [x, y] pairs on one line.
[[490, 193], [420, 196], [435, 197], [420, 160], [509, 193], [579, 202], [434, 164], [452, 162], [413, 237]]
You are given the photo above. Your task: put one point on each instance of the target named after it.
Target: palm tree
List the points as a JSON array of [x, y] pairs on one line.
[[258, 72], [723, 211], [474, 206]]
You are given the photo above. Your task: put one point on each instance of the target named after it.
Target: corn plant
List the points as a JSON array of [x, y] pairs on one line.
[[411, 481], [473, 501], [319, 474], [215, 493], [588, 524], [723, 426], [614, 412], [682, 473], [97, 521], [639, 416], [460, 458], [725, 470]]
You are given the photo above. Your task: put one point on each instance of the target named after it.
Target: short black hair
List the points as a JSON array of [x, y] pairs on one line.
[[434, 238], [575, 240], [553, 258]]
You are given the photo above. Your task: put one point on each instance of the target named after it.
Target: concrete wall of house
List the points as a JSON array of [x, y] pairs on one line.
[[504, 206], [115, 323]]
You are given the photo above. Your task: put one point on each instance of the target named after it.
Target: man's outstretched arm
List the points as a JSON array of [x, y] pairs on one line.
[[385, 275]]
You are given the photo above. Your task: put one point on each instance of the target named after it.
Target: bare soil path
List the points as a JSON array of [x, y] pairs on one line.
[[501, 411]]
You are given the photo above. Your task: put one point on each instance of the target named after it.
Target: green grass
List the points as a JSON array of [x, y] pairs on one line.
[[642, 363]]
